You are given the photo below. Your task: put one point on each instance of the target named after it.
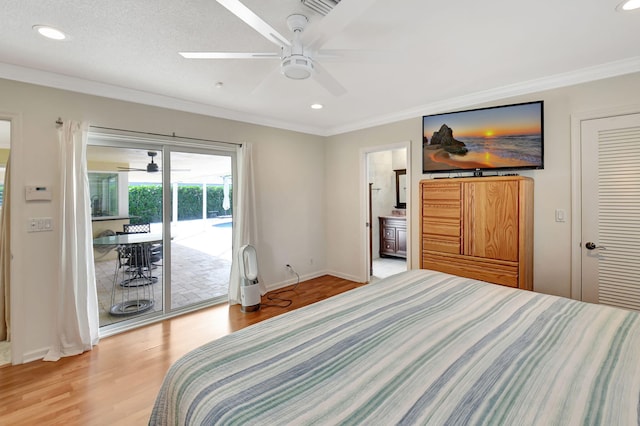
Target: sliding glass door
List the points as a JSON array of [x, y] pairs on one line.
[[162, 226], [200, 228]]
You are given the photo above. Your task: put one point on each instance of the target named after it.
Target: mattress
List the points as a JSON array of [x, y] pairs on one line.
[[421, 347]]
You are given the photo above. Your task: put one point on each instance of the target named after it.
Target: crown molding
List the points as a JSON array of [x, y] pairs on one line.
[[584, 75], [74, 84], [64, 82]]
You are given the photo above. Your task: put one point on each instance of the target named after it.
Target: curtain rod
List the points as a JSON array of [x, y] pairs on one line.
[[59, 122]]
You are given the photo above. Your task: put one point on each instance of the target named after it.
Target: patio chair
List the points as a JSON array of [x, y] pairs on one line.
[[140, 228], [136, 228]]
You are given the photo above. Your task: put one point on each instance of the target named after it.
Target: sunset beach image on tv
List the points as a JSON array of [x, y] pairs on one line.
[[504, 137]]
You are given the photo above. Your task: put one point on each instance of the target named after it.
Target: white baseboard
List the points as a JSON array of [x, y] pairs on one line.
[[306, 277], [344, 276]]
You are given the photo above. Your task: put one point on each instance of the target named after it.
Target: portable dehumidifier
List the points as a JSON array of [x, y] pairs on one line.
[[249, 287]]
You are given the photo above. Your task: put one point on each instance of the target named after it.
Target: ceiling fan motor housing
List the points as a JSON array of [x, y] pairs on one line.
[[152, 167]]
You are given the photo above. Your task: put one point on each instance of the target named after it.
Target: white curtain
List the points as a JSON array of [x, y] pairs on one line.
[[76, 304], [244, 220]]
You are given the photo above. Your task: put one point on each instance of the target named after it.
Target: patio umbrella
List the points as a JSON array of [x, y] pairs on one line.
[[226, 204]]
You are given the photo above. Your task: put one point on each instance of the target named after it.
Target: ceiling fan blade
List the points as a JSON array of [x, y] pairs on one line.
[[228, 55], [327, 81], [134, 169], [334, 22], [360, 56], [267, 81], [255, 22], [131, 169]]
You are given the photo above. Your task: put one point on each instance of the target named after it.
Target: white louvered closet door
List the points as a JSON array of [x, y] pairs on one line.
[[610, 149]]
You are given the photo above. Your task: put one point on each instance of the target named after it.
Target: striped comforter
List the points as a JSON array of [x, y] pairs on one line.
[[420, 347]]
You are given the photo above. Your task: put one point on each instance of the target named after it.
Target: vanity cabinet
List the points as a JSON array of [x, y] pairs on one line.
[[393, 236], [479, 228]]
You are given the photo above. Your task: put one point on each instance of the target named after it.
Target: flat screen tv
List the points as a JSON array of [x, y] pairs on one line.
[[508, 137]]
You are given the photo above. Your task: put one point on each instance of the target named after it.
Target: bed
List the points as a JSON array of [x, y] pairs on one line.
[[421, 347]]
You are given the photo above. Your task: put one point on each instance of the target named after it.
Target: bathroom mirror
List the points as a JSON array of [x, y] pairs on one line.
[[401, 188]]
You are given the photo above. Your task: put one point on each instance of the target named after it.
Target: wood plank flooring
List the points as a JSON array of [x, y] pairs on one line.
[[116, 383]]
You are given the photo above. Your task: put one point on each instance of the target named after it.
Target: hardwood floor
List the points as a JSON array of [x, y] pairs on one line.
[[116, 383]]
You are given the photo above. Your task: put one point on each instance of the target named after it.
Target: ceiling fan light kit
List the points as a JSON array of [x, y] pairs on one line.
[[297, 67]]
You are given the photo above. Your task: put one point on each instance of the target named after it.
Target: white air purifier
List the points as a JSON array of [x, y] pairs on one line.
[[249, 287]]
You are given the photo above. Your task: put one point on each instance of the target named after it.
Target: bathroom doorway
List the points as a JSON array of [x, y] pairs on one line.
[[387, 206]]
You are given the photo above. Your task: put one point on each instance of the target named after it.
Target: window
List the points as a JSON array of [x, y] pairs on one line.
[[103, 188]]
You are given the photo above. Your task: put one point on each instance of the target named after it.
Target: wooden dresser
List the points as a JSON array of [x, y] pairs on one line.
[[480, 227], [393, 236]]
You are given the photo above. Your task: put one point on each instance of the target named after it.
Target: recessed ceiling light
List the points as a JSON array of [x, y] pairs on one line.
[[316, 106], [49, 32], [628, 5]]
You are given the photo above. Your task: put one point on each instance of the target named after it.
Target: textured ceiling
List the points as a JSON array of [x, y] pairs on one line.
[[432, 55]]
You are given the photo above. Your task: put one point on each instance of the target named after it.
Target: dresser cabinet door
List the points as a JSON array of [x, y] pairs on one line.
[[491, 220]]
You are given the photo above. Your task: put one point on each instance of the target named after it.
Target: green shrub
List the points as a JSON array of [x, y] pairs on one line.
[[145, 202]]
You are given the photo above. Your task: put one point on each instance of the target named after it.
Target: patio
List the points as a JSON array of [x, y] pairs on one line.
[[201, 263]]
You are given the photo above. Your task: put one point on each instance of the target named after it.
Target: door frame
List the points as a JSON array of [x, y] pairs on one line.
[[167, 150], [364, 204], [576, 186], [166, 144]]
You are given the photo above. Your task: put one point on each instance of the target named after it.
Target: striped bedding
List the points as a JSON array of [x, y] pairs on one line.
[[420, 347]]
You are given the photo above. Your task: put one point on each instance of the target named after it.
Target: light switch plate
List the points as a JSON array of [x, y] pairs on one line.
[[39, 224]]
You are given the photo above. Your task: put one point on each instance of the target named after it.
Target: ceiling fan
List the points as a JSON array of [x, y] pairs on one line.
[[298, 56], [152, 166]]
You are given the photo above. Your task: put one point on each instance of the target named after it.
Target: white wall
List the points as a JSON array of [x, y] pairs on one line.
[[552, 245], [310, 190], [289, 169]]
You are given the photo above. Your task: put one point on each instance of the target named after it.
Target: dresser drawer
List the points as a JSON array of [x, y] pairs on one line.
[[388, 246], [505, 273], [450, 211], [395, 223], [447, 227], [439, 191], [441, 244], [388, 233]]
